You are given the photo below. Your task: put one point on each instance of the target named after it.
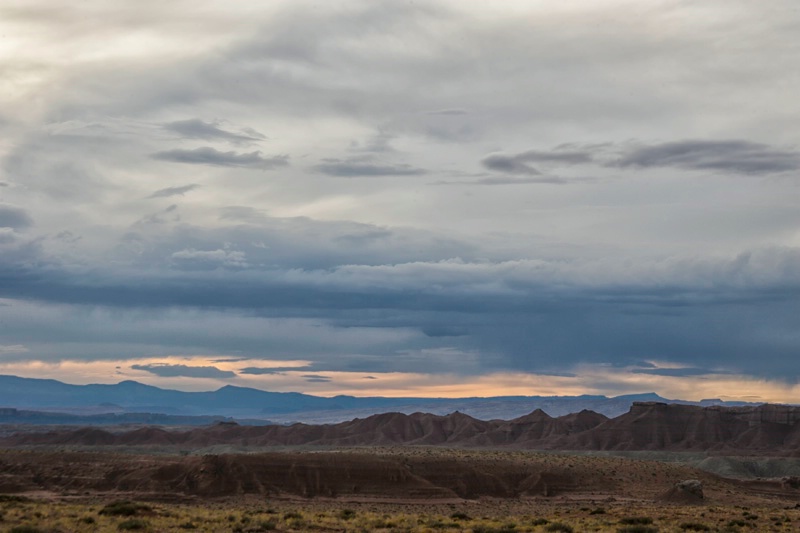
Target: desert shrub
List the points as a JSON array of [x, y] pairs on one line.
[[132, 525], [87, 520], [268, 525], [347, 514], [382, 523], [188, 525], [636, 520], [25, 529], [292, 515], [738, 523], [460, 516], [489, 529], [124, 508], [694, 526], [439, 524], [599, 510], [559, 527], [638, 528], [539, 521], [13, 498]]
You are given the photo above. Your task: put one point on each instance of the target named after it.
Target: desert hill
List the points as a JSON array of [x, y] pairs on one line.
[[767, 429]]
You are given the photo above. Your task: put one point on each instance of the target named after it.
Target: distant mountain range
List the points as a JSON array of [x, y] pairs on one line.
[[88, 402], [654, 426]]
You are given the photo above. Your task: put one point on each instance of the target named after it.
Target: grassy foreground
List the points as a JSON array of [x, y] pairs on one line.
[[20, 514]]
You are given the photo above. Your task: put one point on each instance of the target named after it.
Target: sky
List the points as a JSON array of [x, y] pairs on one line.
[[403, 198]]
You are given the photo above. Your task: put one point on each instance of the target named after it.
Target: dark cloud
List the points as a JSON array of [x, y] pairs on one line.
[[519, 163], [679, 372], [210, 156], [737, 156], [174, 191], [14, 217], [258, 370], [170, 371], [314, 378], [509, 164], [357, 169], [195, 128], [230, 360]]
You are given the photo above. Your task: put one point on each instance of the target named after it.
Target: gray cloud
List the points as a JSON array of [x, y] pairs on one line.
[[503, 180], [174, 191], [14, 217], [243, 214], [518, 163], [197, 129], [680, 372], [530, 278], [315, 378], [210, 156], [741, 157], [449, 111], [357, 169], [170, 371], [191, 259], [259, 371], [509, 164]]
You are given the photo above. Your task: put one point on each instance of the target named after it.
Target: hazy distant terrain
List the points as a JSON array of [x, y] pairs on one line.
[[243, 403]]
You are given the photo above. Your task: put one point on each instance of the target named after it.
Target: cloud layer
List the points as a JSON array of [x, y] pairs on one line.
[[621, 187]]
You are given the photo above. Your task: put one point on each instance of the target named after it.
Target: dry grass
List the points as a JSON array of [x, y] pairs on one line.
[[483, 516]]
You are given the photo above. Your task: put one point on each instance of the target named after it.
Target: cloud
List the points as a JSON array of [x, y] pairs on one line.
[[210, 156], [503, 180], [170, 371], [202, 259], [357, 169], [518, 163], [315, 378], [14, 217], [243, 213], [259, 371], [174, 191], [453, 111], [6, 349], [680, 372], [737, 156], [195, 128]]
